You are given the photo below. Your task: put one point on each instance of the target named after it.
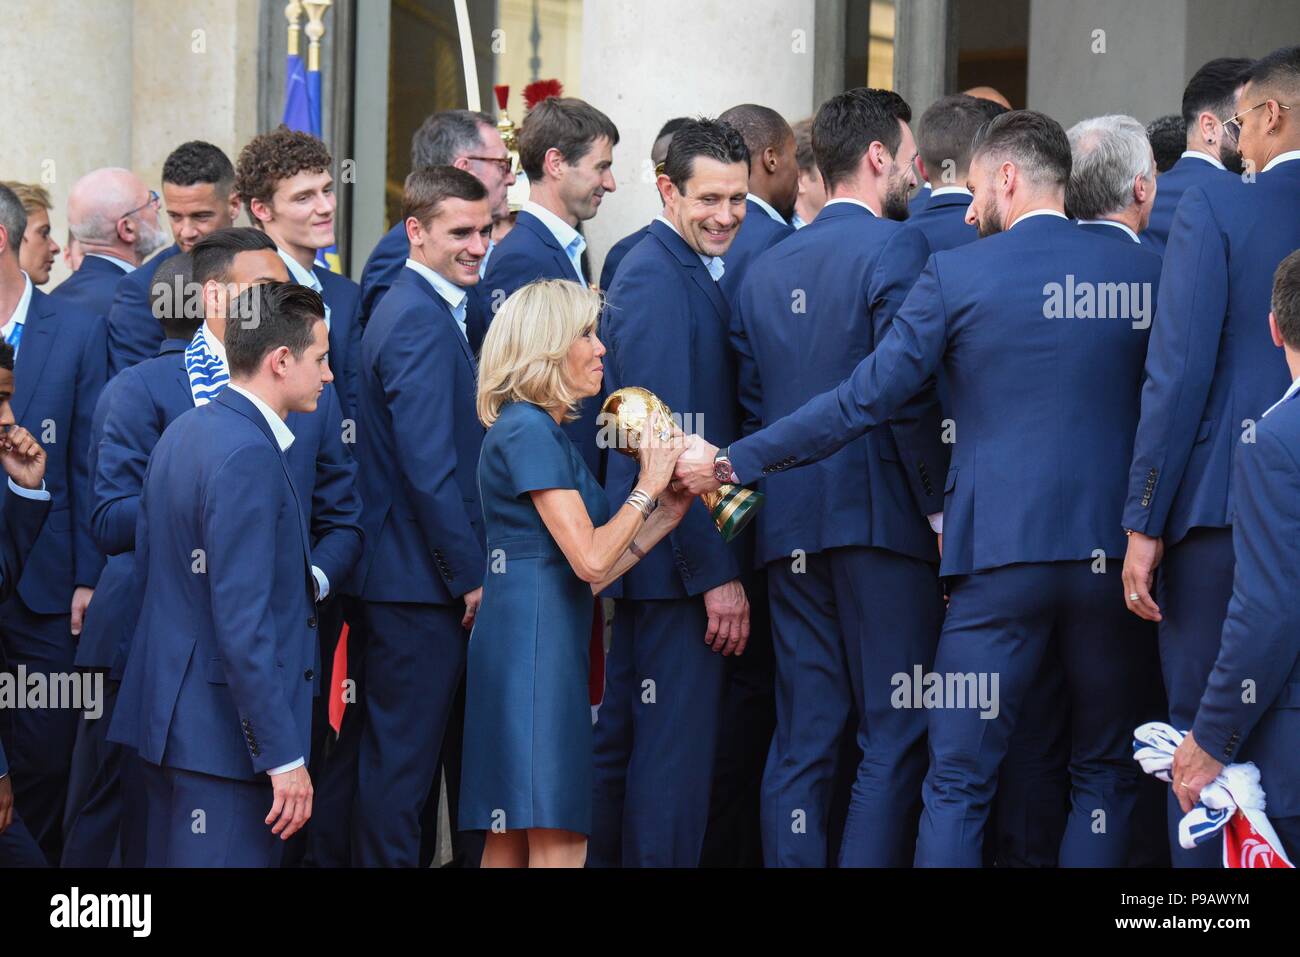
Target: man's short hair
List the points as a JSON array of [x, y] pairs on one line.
[[213, 254], [34, 198], [176, 300], [659, 154], [712, 139], [848, 123], [12, 217], [426, 189], [761, 127], [275, 156], [803, 151], [1278, 73], [1168, 136], [569, 125], [267, 316], [198, 162], [1213, 89], [1106, 154], [6, 356], [445, 137], [1286, 299], [947, 129], [1034, 141]]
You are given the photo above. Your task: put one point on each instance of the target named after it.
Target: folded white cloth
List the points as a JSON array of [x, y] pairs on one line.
[[1237, 788]]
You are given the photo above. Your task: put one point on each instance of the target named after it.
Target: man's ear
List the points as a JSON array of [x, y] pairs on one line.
[[414, 231], [1274, 331], [1209, 126], [260, 211], [234, 202], [553, 162], [922, 171], [211, 297], [667, 188], [770, 160]]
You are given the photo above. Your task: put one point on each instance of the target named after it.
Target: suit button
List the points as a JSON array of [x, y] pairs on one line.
[[244, 722], [311, 622], [309, 674]]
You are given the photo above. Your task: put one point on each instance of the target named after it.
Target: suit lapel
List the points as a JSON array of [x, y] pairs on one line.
[[691, 261], [560, 257], [33, 350], [444, 312]]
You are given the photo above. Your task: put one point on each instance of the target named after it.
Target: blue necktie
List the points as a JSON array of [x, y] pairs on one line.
[[15, 336]]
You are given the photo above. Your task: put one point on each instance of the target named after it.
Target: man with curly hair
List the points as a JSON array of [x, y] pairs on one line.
[[285, 181]]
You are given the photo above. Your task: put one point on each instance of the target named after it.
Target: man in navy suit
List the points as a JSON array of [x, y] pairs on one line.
[[1260, 648], [683, 607], [21, 517], [198, 189], [421, 575], [468, 141], [284, 180], [1112, 184], [812, 190], [853, 582], [220, 711], [773, 188], [1211, 372], [58, 374], [1041, 379], [658, 153], [1209, 98], [566, 148]]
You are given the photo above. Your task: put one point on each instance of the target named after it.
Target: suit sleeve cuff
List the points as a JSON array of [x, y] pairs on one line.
[[322, 583], [936, 522], [292, 765], [36, 494]]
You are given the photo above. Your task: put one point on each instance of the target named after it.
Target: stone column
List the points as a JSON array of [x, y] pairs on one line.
[[925, 52]]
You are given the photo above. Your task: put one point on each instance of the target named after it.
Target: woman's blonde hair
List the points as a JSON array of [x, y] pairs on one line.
[[524, 352], [34, 198]]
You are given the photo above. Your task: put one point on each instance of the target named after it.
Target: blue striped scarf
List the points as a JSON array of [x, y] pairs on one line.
[[206, 369]]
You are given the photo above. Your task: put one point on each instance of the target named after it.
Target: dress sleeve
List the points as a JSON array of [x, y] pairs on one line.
[[538, 456]]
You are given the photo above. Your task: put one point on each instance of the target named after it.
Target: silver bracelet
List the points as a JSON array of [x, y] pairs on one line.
[[642, 502]]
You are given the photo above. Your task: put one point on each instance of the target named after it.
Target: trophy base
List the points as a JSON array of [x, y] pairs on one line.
[[732, 507]]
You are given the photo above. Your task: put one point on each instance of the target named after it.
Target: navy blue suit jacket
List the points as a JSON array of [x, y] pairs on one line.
[[758, 232], [530, 252], [1212, 369], [418, 445], [343, 296], [91, 288], [1044, 407], [1169, 190], [942, 221], [224, 550], [141, 403], [1261, 635], [134, 333], [840, 265], [58, 376], [666, 331], [919, 201], [615, 256], [20, 524]]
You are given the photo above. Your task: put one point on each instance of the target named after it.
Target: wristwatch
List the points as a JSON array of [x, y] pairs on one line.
[[722, 470]]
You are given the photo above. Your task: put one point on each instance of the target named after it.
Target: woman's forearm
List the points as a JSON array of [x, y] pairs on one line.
[[647, 537]]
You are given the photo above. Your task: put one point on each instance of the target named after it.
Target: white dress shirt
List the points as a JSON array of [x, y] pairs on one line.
[[713, 264], [1198, 155], [119, 263], [455, 296], [283, 438], [1291, 390], [1038, 212], [1110, 222], [19, 316], [568, 237], [306, 277], [1281, 158], [766, 207], [855, 202], [947, 190]]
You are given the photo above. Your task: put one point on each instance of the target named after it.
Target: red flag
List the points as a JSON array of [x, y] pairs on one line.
[[1243, 846], [338, 680]]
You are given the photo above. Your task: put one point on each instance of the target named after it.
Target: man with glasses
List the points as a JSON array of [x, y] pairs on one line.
[[1209, 98], [1211, 373], [468, 141]]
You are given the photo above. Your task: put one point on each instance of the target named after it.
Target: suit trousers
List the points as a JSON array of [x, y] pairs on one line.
[[1000, 623], [39, 741], [655, 737], [1193, 587], [415, 658], [93, 817], [842, 627], [199, 820]]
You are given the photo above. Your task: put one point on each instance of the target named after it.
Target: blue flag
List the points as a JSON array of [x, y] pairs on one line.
[[302, 112]]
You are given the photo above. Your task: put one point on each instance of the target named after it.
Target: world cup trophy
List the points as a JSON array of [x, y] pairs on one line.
[[629, 410]]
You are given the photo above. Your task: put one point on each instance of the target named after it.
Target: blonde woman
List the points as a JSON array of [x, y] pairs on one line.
[[552, 546]]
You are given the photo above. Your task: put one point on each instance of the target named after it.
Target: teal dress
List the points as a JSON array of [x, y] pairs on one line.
[[528, 740]]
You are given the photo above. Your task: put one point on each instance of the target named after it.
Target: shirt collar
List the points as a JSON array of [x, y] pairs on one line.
[[1110, 222], [564, 234], [1038, 212], [19, 315], [855, 202], [1198, 155], [214, 343], [1281, 158], [453, 294], [1291, 390], [119, 263], [283, 434], [303, 277], [951, 190], [797, 221], [766, 207], [713, 264]]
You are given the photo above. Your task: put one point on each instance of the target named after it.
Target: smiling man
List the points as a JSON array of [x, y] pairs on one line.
[[566, 148], [284, 180], [683, 607], [198, 191]]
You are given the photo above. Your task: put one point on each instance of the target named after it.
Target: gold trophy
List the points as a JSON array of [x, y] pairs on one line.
[[629, 410]]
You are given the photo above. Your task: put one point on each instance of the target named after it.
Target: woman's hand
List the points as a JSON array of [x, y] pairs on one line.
[[662, 443], [674, 502]]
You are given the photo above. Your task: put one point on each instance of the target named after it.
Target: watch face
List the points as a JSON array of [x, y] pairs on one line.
[[722, 470]]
